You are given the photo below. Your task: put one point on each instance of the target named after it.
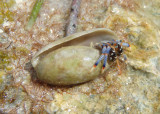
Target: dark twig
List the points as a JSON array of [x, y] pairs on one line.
[[72, 24]]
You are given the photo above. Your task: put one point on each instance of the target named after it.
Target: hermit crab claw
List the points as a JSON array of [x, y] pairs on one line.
[[68, 61]]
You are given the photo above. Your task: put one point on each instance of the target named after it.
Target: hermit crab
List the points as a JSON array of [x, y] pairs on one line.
[[111, 49], [72, 60]]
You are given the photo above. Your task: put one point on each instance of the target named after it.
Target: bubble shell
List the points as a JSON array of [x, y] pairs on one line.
[[68, 61]]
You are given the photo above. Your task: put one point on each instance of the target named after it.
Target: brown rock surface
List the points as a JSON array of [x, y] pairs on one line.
[[136, 90]]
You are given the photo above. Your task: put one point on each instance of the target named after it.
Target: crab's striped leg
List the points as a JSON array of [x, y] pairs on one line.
[[100, 58], [104, 63], [125, 57], [125, 44], [97, 62], [122, 43], [105, 58]]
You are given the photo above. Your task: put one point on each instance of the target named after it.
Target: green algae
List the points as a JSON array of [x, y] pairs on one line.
[[4, 59], [2, 73], [22, 51], [5, 12], [34, 14]]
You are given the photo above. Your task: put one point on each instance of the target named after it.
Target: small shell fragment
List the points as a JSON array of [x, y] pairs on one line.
[[68, 61]]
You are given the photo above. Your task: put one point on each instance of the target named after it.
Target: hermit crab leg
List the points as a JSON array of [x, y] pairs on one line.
[[105, 58], [100, 58], [125, 57], [125, 44], [97, 62], [119, 69], [120, 42]]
